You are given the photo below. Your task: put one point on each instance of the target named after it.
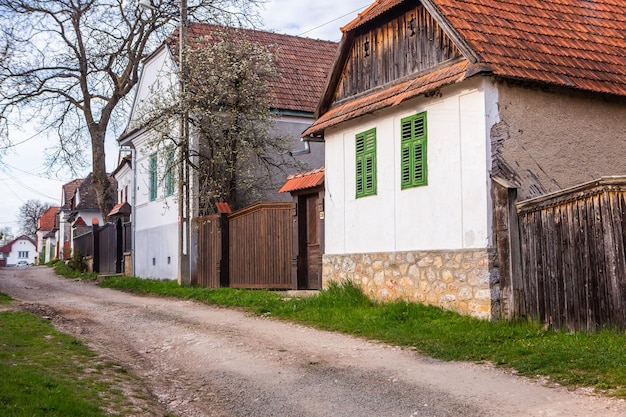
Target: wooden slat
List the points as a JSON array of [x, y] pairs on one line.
[[574, 256]]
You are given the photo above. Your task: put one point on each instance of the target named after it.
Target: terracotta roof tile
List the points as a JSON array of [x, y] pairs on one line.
[[47, 220], [68, 192], [303, 63], [373, 11], [303, 181], [121, 208], [573, 43]]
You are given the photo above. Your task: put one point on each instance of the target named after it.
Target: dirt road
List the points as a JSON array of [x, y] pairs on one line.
[[205, 361]]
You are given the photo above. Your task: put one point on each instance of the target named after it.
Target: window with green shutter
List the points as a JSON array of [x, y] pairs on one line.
[[169, 174], [153, 177], [413, 151], [366, 163]]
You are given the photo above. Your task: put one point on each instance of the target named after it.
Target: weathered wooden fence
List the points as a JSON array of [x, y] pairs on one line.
[[247, 249], [573, 247], [105, 246]]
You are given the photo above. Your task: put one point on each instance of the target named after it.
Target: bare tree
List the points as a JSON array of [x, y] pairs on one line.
[[28, 215], [229, 103], [72, 64]]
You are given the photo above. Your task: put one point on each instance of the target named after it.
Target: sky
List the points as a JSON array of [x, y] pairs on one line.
[[23, 173]]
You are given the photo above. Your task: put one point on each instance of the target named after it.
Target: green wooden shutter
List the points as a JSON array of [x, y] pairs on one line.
[[413, 160], [153, 177], [366, 163]]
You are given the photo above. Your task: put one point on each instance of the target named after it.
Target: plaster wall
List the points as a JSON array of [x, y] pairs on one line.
[[22, 245], [452, 212], [550, 140]]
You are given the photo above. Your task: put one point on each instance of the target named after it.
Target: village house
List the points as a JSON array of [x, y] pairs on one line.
[[22, 250], [439, 116], [303, 65], [46, 235]]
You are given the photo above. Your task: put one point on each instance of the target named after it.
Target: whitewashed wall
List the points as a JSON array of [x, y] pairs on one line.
[[451, 212], [22, 245]]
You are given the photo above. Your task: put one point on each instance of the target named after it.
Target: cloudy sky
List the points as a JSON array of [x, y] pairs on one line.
[[23, 175]]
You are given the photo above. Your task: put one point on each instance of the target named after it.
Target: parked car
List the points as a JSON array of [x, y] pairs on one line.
[[22, 263]]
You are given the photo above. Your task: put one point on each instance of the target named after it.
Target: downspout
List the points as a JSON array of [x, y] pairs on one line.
[[307, 146]]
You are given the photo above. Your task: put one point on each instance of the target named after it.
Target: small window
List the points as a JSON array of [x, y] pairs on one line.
[[22, 254], [413, 151], [153, 177], [366, 163]]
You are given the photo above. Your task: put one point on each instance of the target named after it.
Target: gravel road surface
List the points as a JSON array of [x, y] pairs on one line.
[[205, 361]]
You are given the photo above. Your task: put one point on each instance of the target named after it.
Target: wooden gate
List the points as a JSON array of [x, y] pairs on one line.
[[212, 258], [573, 246], [250, 248]]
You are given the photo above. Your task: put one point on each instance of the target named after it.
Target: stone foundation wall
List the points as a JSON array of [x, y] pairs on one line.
[[128, 264], [461, 281]]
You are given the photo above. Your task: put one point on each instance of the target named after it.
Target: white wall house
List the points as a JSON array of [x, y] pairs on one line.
[[424, 121], [21, 249], [154, 195]]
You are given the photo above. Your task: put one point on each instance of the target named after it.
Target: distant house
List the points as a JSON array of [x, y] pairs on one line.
[[47, 227], [21, 249], [64, 234], [303, 65], [436, 106]]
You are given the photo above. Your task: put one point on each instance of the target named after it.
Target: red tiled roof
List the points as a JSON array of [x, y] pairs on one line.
[[121, 208], [570, 43], [373, 11], [8, 247], [68, 192], [303, 63], [79, 222], [46, 221], [303, 181]]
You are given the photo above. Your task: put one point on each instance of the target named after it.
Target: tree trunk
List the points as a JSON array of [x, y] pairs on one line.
[[101, 182]]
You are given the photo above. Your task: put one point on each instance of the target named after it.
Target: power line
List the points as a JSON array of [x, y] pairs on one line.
[[334, 20]]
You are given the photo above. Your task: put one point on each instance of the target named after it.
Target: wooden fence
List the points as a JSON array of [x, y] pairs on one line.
[[105, 246], [574, 257], [248, 249]]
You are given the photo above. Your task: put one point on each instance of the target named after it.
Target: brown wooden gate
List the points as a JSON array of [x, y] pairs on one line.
[[250, 248]]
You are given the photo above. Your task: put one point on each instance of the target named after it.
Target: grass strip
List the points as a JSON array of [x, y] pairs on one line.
[[47, 373], [573, 359]]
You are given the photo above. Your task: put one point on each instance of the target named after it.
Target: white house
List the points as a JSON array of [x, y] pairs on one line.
[[303, 64], [21, 249], [46, 234], [431, 107]]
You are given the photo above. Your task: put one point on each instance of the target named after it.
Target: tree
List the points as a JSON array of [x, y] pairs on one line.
[[72, 64], [228, 104], [29, 214]]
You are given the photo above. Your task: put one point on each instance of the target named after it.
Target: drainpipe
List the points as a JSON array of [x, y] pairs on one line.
[[307, 146]]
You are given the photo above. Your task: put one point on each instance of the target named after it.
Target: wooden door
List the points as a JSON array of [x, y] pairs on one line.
[[313, 254]]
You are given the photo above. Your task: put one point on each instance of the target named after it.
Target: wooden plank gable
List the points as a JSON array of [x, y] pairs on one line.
[[400, 44]]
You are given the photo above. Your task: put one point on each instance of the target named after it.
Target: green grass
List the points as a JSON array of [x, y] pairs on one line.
[[47, 373], [5, 299], [572, 359], [61, 268]]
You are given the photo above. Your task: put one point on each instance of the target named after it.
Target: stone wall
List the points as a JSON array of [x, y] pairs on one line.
[[128, 264], [462, 281]]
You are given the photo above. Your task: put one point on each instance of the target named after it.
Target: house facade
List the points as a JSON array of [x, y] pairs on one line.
[[46, 231], [21, 249], [303, 64], [432, 109]]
